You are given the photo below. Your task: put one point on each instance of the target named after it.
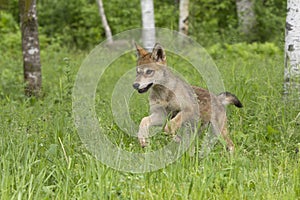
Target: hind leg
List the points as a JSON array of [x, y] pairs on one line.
[[229, 143], [221, 128]]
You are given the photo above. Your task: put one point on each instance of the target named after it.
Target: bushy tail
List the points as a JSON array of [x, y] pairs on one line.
[[227, 98]]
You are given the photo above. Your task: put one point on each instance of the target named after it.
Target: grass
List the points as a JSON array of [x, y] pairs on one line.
[[42, 156]]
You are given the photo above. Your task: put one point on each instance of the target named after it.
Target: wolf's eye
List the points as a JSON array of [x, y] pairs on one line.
[[149, 71]]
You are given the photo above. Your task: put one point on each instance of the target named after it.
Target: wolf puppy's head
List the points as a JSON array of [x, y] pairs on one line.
[[150, 68]]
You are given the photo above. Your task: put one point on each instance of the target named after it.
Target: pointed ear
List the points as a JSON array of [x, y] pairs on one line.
[[158, 54], [140, 51]]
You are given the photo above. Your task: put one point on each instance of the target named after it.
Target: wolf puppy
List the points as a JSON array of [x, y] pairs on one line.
[[170, 97]]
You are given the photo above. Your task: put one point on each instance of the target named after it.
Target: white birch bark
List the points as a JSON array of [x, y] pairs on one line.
[[104, 22], [183, 16], [292, 49], [246, 16], [148, 34]]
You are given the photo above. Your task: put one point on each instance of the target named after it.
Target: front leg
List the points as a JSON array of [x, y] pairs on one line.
[[144, 130], [154, 119]]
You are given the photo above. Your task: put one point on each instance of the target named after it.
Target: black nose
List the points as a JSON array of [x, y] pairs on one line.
[[136, 86]]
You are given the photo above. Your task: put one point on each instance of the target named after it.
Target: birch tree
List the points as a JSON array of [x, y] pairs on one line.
[[104, 22], [148, 34], [30, 47], [246, 16], [292, 49], [183, 16]]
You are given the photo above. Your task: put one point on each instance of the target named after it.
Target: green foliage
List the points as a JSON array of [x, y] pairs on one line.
[[76, 23], [271, 20], [7, 23], [10, 36], [122, 15], [11, 79], [244, 50], [213, 21], [166, 14]]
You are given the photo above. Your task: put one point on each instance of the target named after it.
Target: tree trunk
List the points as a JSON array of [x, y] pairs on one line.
[[246, 16], [104, 22], [148, 35], [30, 47], [292, 50], [183, 16]]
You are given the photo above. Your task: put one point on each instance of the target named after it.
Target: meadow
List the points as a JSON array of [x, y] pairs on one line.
[[42, 156]]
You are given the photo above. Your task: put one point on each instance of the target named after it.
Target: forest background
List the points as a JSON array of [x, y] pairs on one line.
[[42, 156]]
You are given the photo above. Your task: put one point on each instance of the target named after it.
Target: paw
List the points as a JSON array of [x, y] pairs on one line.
[[143, 142], [230, 148], [177, 138], [171, 127], [168, 129]]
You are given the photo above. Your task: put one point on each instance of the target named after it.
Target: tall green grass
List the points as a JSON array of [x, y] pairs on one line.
[[42, 157]]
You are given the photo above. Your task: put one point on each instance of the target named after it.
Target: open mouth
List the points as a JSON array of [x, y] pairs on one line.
[[145, 89]]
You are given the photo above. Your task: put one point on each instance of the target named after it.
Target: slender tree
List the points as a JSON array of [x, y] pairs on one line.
[[104, 21], [183, 16], [246, 16], [30, 47], [292, 49], [148, 35]]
